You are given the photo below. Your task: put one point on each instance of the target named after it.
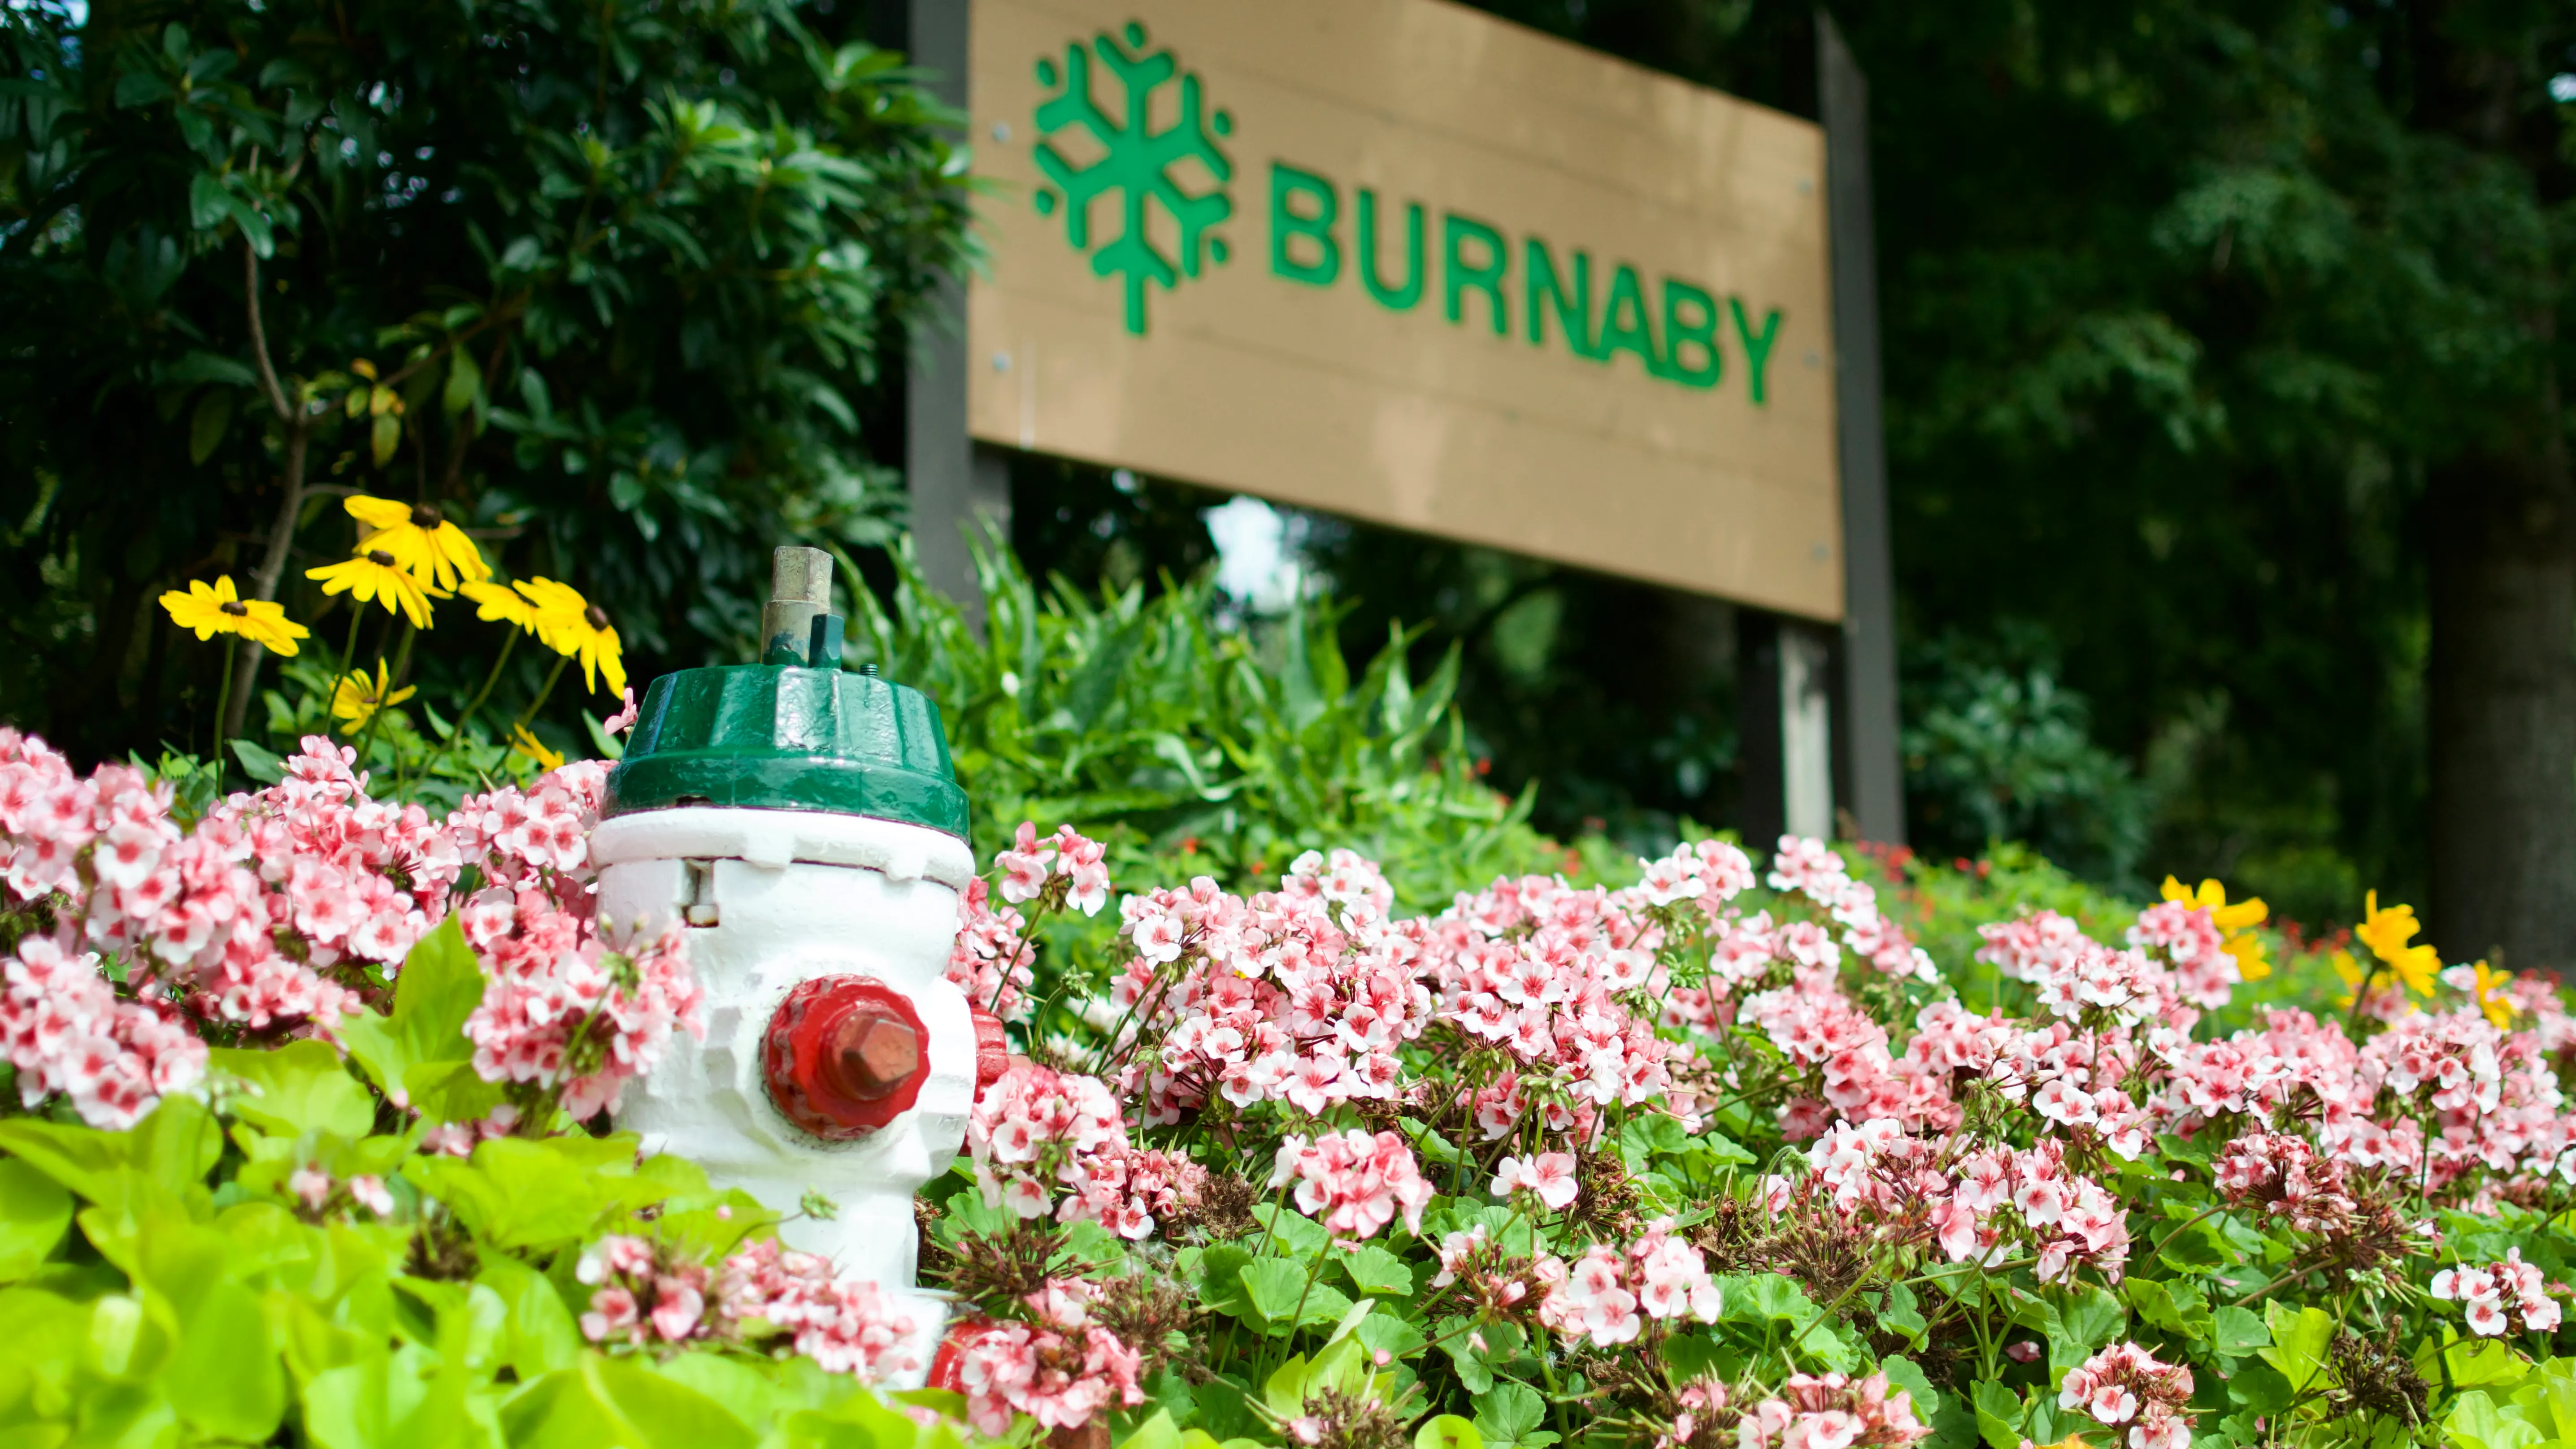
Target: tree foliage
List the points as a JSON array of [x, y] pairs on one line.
[[611, 285], [2204, 320]]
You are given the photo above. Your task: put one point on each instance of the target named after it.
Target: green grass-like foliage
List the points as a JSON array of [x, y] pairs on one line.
[[1204, 750]]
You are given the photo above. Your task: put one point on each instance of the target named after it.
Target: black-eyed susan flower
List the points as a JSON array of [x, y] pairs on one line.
[[577, 629], [524, 743], [2237, 921], [372, 574], [357, 698], [500, 604], [219, 610], [424, 544]]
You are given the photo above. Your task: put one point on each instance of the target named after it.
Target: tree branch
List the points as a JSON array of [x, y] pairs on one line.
[[281, 532], [259, 339]]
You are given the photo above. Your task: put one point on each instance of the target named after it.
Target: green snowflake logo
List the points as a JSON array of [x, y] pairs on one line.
[[1137, 164]]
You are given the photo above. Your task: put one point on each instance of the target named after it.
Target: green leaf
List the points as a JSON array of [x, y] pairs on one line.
[[1297, 1236], [208, 202], [2092, 1317], [35, 1213], [208, 422], [1903, 1313], [296, 1089], [1274, 1285], [2259, 1388], [2477, 1422], [603, 1403], [1649, 1133], [225, 1376], [439, 987], [173, 1148], [1723, 1150], [1433, 1146], [1341, 1366], [539, 1335], [519, 1194], [1387, 1334], [2480, 1363], [209, 367], [735, 1386], [1999, 1415], [1285, 1392], [1375, 1270], [1226, 1407], [259, 762], [1509, 1413], [2556, 1390], [1761, 1297], [1220, 1279], [1447, 1431], [1692, 1354], [464, 381], [1475, 1366], [2178, 1305], [2298, 1347], [609, 746], [2237, 1331], [1905, 1374]]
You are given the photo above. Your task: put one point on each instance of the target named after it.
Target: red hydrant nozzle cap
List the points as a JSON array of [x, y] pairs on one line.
[[844, 1056]]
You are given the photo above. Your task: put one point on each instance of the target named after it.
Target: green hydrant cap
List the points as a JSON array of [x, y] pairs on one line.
[[782, 736]]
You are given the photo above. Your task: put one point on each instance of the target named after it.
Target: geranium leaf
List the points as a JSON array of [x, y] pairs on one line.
[[1508, 1412], [1999, 1415]]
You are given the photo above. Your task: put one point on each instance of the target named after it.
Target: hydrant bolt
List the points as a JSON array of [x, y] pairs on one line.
[[878, 1054]]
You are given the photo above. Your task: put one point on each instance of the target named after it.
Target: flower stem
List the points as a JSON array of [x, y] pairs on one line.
[[539, 702], [348, 647], [456, 731], [375, 717], [223, 701]]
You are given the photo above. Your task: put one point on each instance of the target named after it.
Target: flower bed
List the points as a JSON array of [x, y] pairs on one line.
[[312, 1088]]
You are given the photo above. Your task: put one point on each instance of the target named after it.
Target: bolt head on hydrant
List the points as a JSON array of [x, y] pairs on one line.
[[843, 1056]]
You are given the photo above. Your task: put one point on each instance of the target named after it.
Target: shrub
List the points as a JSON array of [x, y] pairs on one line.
[[1193, 749], [607, 285]]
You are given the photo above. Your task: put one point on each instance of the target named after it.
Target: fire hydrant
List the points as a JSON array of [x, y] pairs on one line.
[[805, 826]]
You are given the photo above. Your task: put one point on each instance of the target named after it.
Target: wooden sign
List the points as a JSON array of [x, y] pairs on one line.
[[1400, 260]]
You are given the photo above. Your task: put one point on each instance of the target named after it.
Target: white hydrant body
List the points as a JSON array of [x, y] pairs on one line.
[[772, 899], [804, 826]]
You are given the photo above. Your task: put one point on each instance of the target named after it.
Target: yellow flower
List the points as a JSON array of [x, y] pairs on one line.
[[357, 698], [372, 574], [574, 627], [2386, 934], [500, 604], [428, 547], [218, 610], [524, 743], [2489, 986], [2237, 921]]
